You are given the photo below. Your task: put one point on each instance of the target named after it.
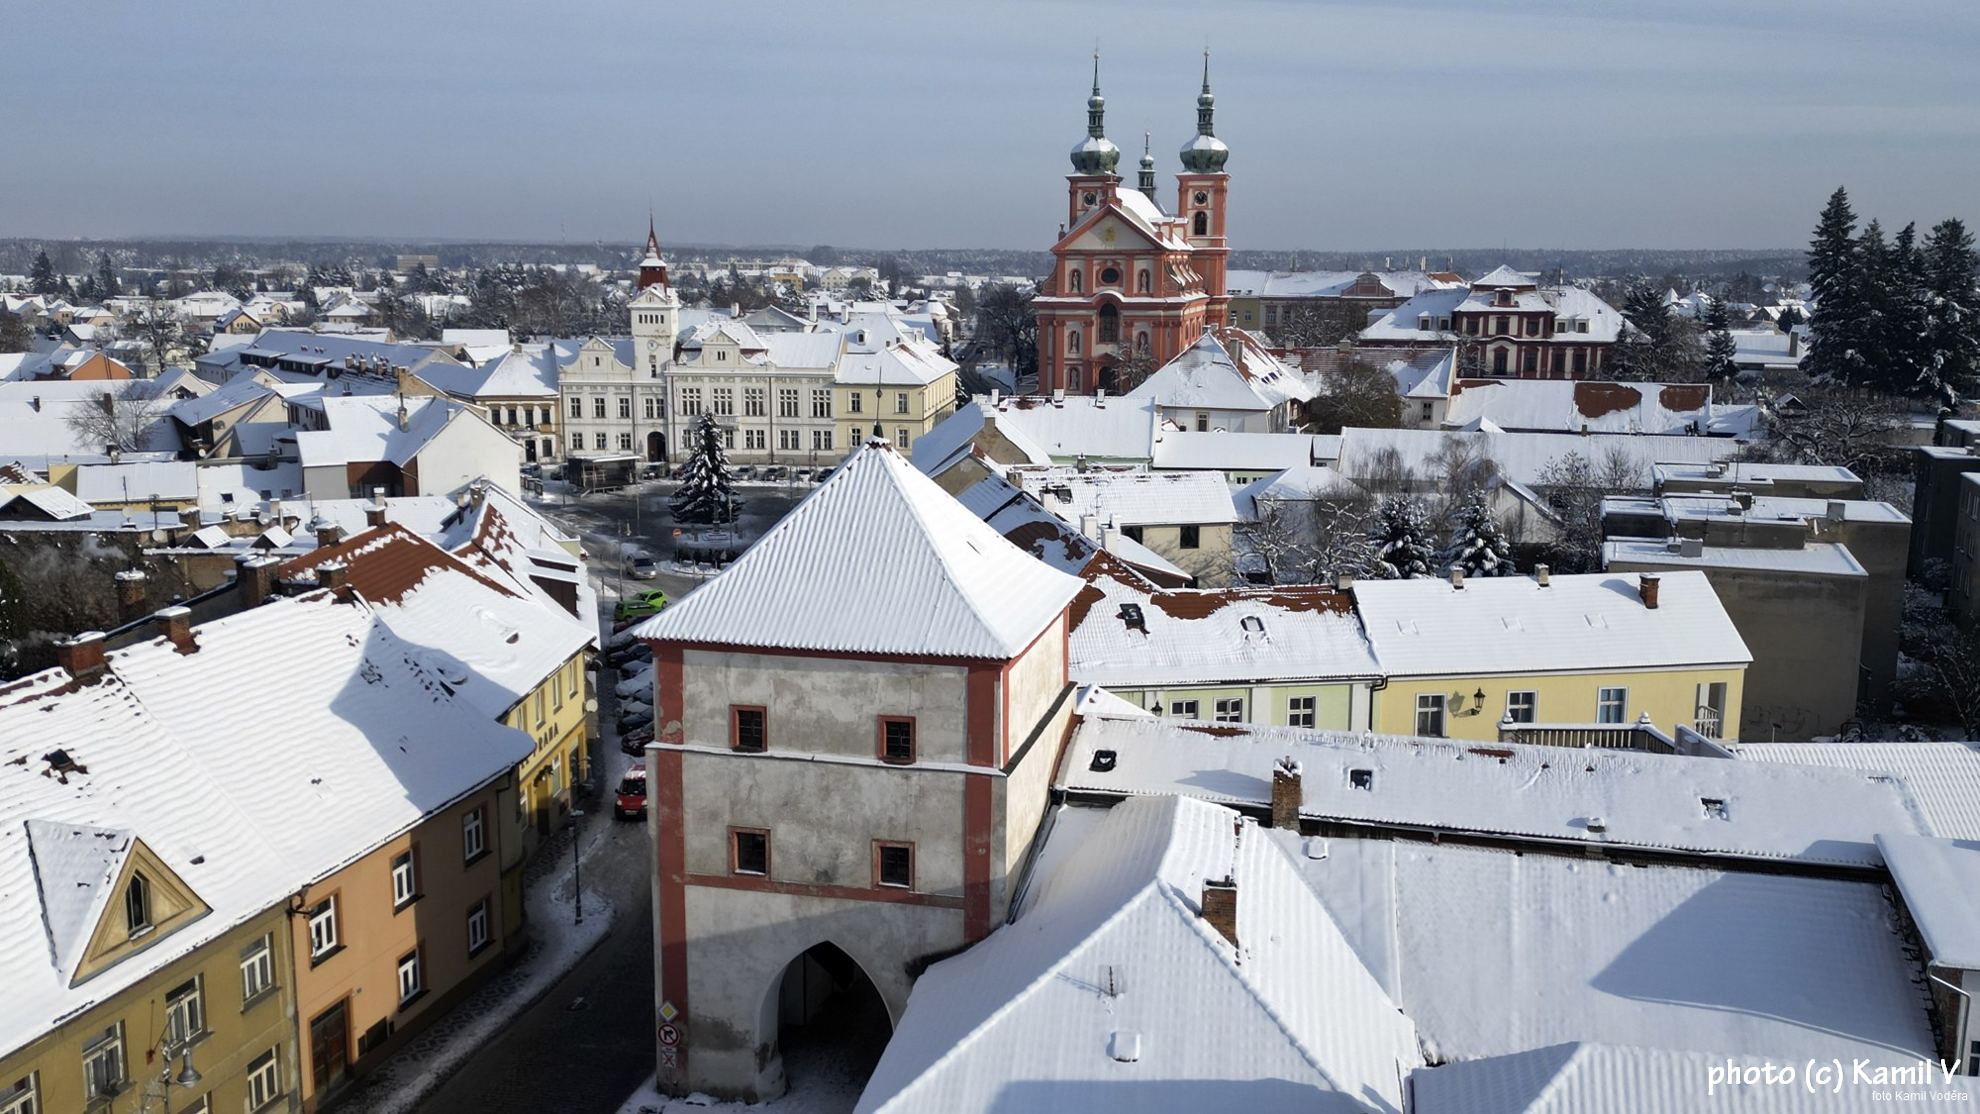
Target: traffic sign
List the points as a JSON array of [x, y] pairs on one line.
[[669, 1035]]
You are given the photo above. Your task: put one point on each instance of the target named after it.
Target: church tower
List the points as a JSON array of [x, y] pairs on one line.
[[655, 311], [1201, 191], [1093, 181]]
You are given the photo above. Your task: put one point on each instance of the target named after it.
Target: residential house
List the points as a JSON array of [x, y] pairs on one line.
[[1226, 380], [350, 445], [1506, 324], [1262, 300], [1185, 517]]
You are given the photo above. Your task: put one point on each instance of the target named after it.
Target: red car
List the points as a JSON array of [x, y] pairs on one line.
[[630, 801]]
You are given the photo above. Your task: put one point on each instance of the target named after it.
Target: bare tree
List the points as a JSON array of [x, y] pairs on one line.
[[1855, 429], [1320, 323], [1312, 541], [118, 420], [1357, 395], [1574, 486], [161, 332]]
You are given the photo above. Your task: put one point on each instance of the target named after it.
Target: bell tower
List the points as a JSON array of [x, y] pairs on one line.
[[655, 310], [1202, 190]]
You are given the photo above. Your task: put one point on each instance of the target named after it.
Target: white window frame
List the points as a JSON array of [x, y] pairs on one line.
[[1302, 707], [185, 1014], [109, 1047], [477, 926], [264, 1079], [257, 968], [24, 1098], [1433, 704], [323, 928], [405, 879], [1188, 709], [1527, 710], [1619, 702], [411, 982], [474, 839], [1228, 709], [1712, 725]]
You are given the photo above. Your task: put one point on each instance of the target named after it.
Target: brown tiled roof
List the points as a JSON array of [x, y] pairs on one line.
[[385, 563]]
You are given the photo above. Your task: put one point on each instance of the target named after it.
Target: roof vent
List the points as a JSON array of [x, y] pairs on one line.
[[1541, 575], [1457, 578], [1361, 779], [1597, 824], [1132, 618], [1124, 1046], [1715, 808], [1691, 547], [1103, 761], [1252, 623]]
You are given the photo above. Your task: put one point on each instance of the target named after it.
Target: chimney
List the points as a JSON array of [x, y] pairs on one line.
[[403, 416], [1457, 578], [1089, 526], [175, 623], [1110, 536], [1285, 794], [1541, 574], [374, 513], [254, 578], [327, 532], [1837, 512], [1744, 499], [82, 655], [1220, 906], [333, 575], [1691, 547], [1646, 586], [130, 595], [1344, 582]]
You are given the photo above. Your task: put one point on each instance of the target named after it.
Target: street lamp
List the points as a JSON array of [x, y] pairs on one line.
[[577, 861], [186, 1077]]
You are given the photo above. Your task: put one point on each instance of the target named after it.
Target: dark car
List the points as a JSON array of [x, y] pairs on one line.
[[634, 742], [629, 803], [642, 567]]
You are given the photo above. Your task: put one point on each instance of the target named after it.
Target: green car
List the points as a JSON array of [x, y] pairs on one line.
[[640, 604]]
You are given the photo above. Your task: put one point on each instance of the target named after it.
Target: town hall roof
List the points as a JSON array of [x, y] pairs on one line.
[[877, 560]]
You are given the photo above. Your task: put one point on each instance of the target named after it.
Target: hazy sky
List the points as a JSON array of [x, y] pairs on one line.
[[1434, 123]]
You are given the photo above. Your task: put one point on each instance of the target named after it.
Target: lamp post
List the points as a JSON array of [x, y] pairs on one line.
[[186, 1077], [577, 862]]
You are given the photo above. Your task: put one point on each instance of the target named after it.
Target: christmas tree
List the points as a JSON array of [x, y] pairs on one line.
[[705, 494], [1478, 547], [1402, 540]]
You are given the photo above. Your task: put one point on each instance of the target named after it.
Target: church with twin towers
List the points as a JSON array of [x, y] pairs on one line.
[[1133, 284]]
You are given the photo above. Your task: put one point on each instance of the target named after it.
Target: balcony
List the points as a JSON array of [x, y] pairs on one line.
[[1642, 736]]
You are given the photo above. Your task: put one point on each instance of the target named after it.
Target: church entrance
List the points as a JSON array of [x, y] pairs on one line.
[[830, 1024], [656, 447]]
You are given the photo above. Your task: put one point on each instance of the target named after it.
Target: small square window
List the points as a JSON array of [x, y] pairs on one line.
[[893, 865], [1191, 536], [1230, 710], [1361, 779], [897, 739], [1300, 711], [750, 851], [1522, 707], [1187, 709], [747, 728]]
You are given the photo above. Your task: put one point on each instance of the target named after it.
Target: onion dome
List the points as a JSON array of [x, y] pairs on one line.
[[1096, 154], [1205, 153]]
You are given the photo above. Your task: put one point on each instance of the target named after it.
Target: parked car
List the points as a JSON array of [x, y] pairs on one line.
[[634, 742], [776, 473], [640, 604], [636, 720], [746, 472], [642, 567], [629, 803], [802, 475], [823, 475]]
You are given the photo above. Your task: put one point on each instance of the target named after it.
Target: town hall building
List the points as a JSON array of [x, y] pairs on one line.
[[1133, 286]]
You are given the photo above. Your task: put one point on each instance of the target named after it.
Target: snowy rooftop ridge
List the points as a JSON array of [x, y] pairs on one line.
[[911, 571]]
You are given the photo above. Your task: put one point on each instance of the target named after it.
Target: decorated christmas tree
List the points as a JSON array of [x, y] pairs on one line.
[[706, 494]]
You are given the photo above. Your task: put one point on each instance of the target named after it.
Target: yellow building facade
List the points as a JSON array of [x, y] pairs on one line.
[[1472, 706], [553, 714], [904, 412]]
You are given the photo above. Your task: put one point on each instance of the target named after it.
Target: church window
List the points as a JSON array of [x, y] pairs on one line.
[[1202, 224], [1110, 324], [1111, 276]]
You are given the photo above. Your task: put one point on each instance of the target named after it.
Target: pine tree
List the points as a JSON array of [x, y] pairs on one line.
[[1953, 310], [1478, 546], [106, 276], [1719, 346], [1873, 302], [1835, 279], [1905, 345], [1638, 353], [1402, 539], [705, 494], [42, 277]]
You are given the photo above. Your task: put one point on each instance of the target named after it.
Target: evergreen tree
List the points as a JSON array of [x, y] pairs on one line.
[[41, 279], [1719, 347], [1873, 309], [1905, 346], [1640, 349], [106, 276], [705, 494], [1402, 540], [1835, 279], [1953, 310], [1478, 546]]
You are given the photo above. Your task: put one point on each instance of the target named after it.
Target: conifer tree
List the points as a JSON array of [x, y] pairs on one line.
[[106, 276], [1478, 546], [1835, 279], [1905, 346], [1402, 540], [706, 494], [1719, 346], [1953, 310], [41, 278], [1873, 309]]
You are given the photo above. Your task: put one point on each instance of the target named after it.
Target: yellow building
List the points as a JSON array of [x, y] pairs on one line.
[[906, 387], [1604, 650]]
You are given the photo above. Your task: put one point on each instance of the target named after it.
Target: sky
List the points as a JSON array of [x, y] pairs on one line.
[[1353, 126]]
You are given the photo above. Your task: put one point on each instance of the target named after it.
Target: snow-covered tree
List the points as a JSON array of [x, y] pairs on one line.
[[41, 277], [1403, 549], [706, 494], [1719, 346], [1478, 546], [1953, 309], [1835, 276]]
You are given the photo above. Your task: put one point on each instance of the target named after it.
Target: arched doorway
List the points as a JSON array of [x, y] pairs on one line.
[[825, 1023], [656, 447]]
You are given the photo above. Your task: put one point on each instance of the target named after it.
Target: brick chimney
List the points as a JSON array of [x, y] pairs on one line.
[[1646, 585], [82, 655], [333, 575], [327, 532], [1286, 794], [1220, 906], [254, 578], [130, 595], [374, 514], [175, 623]]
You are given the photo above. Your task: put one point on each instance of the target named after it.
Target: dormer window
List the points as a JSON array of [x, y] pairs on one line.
[[137, 905], [1502, 298]]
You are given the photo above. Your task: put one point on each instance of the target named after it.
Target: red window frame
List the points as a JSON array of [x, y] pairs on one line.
[[735, 856], [735, 728], [880, 740]]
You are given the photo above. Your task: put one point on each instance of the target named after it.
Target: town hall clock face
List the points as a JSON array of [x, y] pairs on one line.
[[652, 343]]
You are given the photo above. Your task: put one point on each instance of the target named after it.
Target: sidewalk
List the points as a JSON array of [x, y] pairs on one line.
[[556, 945]]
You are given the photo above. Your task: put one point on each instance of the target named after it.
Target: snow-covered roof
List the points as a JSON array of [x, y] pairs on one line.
[[1493, 952], [1305, 483], [911, 364], [1511, 624], [1567, 406], [1545, 795], [167, 480], [877, 559], [516, 371], [372, 743], [50, 502], [1111, 982], [1425, 375], [1025, 523], [1753, 474], [1504, 276], [1048, 430], [1221, 450], [1940, 881], [1207, 375], [366, 428], [1129, 637], [1943, 778], [239, 391], [1586, 1078], [1131, 498], [1818, 558], [37, 420]]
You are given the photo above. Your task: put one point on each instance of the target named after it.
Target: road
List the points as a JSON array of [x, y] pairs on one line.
[[587, 1044]]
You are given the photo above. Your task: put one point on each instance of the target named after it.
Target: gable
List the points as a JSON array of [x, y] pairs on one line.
[[1110, 232], [83, 873]]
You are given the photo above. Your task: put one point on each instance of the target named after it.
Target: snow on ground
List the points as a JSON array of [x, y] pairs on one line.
[[817, 1086], [556, 945]]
